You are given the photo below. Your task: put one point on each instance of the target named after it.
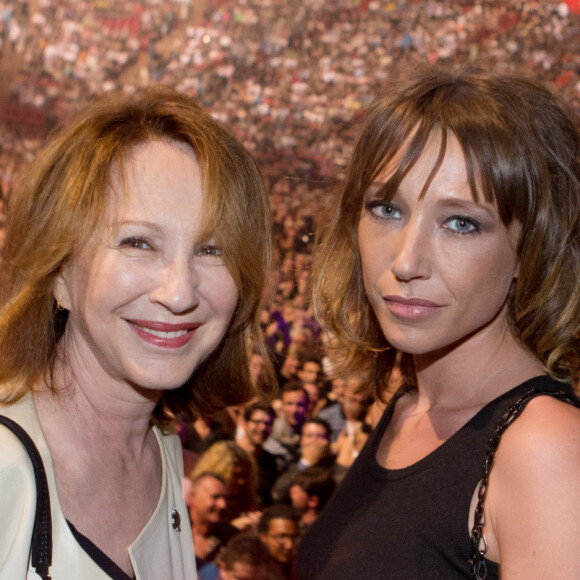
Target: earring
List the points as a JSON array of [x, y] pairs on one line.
[[59, 307]]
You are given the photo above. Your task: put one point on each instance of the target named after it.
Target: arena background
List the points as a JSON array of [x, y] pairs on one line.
[[291, 78]]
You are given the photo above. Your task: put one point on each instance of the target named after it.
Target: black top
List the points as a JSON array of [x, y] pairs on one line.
[[267, 474], [410, 523]]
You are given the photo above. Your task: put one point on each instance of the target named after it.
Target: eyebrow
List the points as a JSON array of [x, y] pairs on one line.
[[467, 205], [140, 223]]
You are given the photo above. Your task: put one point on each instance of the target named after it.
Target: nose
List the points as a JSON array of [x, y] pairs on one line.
[[412, 257], [177, 286]]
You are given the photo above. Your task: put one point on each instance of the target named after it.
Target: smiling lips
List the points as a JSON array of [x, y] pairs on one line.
[[410, 308], [164, 334]]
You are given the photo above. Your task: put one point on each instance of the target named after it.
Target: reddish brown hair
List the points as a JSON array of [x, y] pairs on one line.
[[61, 201]]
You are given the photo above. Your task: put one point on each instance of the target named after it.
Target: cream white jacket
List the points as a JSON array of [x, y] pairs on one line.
[[161, 552]]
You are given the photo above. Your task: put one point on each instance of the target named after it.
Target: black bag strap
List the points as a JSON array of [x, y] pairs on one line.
[[477, 565], [41, 546]]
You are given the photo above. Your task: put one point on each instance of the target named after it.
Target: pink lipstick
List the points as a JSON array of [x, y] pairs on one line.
[[164, 334], [410, 308]]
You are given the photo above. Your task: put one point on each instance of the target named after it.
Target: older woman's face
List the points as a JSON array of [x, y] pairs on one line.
[[148, 299], [437, 269]]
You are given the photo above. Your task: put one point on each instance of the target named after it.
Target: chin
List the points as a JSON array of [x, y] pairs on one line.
[[417, 346], [155, 381]]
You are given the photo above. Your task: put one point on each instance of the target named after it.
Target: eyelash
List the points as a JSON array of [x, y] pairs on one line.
[[139, 243], [136, 243], [209, 250], [476, 226], [375, 207]]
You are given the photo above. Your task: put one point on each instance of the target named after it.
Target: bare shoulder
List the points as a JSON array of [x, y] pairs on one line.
[[542, 447], [534, 492], [548, 426]]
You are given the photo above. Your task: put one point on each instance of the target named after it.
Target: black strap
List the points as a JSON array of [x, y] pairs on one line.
[[477, 565], [41, 545]]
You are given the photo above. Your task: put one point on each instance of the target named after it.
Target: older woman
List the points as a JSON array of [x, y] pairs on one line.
[[456, 241], [136, 251]]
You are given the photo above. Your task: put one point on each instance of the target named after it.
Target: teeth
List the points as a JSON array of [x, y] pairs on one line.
[[161, 334]]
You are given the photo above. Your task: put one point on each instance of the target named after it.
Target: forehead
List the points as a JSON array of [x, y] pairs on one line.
[[147, 166], [282, 526], [439, 164], [313, 429], [311, 366], [211, 485], [245, 571], [157, 179], [293, 396], [260, 416]]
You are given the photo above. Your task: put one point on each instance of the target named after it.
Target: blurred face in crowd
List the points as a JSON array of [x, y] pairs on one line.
[[243, 571], [339, 389], [355, 404], [281, 539], [309, 372], [290, 366], [313, 396], [207, 500], [148, 300], [259, 427], [313, 434], [299, 498], [294, 407]]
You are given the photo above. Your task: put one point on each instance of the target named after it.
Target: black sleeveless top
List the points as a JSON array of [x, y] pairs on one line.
[[410, 523]]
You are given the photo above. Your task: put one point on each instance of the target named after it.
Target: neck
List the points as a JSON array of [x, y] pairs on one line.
[[249, 447], [476, 371], [91, 406], [200, 527]]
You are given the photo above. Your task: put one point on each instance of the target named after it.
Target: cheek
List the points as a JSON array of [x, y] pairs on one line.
[[128, 279], [221, 291], [374, 257], [486, 272]]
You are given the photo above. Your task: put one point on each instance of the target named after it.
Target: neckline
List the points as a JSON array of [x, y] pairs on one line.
[[400, 473], [108, 566], [56, 507]]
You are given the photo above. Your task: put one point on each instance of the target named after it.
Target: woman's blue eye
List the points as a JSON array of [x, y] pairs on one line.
[[136, 243], [462, 225], [384, 210]]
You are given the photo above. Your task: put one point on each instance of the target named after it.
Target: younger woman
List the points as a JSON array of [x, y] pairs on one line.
[[455, 240]]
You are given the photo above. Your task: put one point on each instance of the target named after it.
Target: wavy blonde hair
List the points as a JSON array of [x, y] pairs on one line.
[[522, 152], [228, 460], [60, 203]]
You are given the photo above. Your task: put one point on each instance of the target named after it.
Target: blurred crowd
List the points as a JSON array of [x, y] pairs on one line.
[[291, 78]]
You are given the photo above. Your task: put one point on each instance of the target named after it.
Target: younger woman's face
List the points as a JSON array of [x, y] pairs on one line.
[[148, 299], [436, 270]]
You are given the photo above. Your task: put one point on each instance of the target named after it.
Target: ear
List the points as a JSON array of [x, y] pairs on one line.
[[61, 289]]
